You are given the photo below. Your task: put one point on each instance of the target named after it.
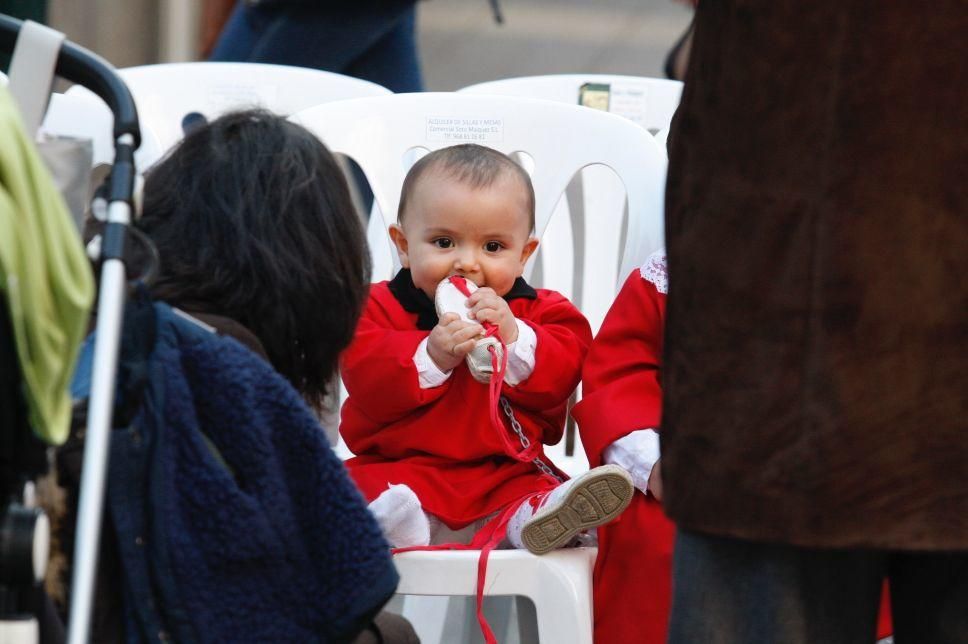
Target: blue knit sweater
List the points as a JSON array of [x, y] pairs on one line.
[[235, 520]]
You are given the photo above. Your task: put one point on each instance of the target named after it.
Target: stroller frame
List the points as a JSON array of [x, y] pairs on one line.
[[81, 66]]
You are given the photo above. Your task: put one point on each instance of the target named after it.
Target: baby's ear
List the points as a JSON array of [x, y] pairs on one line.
[[400, 241], [529, 247]]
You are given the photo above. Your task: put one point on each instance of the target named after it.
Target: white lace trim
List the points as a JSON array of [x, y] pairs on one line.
[[654, 270]]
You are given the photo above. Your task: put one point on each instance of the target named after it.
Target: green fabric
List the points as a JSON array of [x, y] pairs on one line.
[[44, 274]]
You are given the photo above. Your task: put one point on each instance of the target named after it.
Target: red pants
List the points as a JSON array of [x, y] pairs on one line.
[[633, 575]]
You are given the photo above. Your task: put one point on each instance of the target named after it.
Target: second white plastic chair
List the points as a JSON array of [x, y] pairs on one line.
[[647, 102]]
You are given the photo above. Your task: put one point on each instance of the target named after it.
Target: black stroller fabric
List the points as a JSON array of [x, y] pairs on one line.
[[235, 521], [22, 455]]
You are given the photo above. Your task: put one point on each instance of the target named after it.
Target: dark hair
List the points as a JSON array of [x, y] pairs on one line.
[[475, 165], [253, 221]]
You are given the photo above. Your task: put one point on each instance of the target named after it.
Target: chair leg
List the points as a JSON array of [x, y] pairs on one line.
[[527, 620], [452, 620], [499, 612], [557, 625], [428, 614]]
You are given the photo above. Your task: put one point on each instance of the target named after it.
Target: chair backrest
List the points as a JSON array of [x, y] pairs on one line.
[[381, 134], [557, 140], [647, 102], [165, 93]]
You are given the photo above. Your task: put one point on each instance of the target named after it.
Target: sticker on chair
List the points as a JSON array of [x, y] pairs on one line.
[[464, 130], [631, 101], [627, 99]]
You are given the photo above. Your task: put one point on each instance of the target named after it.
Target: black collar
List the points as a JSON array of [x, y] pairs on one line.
[[413, 300]]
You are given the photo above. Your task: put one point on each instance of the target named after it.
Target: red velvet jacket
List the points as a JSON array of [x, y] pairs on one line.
[[621, 389], [621, 394], [440, 441]]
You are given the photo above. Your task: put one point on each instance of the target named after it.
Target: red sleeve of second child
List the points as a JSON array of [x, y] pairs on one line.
[[621, 386]]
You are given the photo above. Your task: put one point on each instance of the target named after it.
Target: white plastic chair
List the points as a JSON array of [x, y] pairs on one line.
[[165, 93], [381, 135], [647, 102]]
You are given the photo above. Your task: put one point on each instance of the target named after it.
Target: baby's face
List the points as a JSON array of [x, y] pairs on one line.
[[450, 228]]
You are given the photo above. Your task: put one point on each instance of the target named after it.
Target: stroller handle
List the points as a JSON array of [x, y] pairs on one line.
[[86, 68]]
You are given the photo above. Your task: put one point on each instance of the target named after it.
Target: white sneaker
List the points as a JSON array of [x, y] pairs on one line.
[[449, 299], [544, 523], [400, 515]]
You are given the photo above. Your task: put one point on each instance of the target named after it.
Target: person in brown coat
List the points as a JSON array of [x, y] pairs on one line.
[[815, 430]]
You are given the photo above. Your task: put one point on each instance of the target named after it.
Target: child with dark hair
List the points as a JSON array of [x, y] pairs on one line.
[[254, 224], [257, 237], [435, 449]]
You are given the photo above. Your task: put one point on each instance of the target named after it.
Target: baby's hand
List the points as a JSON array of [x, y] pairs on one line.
[[487, 306], [451, 340]]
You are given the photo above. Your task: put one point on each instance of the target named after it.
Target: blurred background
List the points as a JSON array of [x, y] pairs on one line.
[[459, 41]]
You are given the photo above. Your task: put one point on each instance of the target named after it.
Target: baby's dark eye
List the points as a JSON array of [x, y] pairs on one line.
[[493, 246], [443, 242]]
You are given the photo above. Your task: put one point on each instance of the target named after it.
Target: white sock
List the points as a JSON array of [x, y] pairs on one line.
[[401, 517]]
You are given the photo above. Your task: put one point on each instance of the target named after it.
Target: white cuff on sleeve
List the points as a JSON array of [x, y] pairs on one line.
[[428, 373], [636, 453], [521, 355]]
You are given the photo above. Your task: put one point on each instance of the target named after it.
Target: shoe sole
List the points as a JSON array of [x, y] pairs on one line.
[[595, 501]]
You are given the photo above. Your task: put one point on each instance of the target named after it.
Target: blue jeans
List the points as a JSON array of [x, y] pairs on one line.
[[735, 591], [372, 40]]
